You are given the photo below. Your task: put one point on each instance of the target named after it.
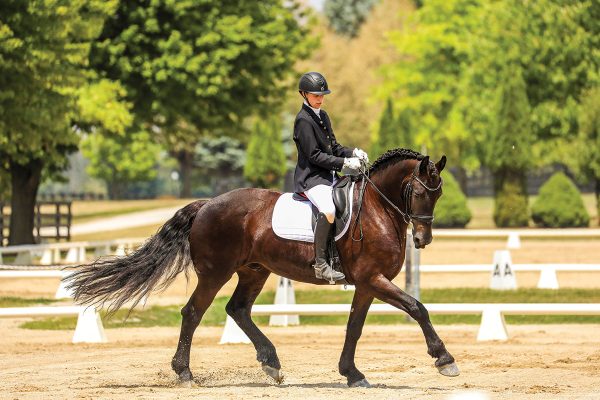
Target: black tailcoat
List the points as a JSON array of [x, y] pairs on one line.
[[318, 152]]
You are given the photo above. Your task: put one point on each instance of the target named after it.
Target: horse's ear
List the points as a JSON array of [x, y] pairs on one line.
[[423, 166], [441, 164]]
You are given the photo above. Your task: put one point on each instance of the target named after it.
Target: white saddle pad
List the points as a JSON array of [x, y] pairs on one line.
[[292, 219]]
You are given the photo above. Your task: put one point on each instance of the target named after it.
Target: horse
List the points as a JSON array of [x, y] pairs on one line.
[[232, 234]]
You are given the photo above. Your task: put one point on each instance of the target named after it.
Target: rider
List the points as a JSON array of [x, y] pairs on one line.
[[320, 157]]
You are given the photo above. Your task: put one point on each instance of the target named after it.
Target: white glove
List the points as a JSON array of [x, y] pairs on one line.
[[362, 155], [351, 166], [352, 163]]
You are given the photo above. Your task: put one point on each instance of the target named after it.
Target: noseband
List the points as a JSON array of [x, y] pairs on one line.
[[407, 214]]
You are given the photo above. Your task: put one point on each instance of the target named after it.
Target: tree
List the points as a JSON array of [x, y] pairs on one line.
[[586, 160], [393, 131], [346, 16], [508, 148], [265, 161], [220, 159], [121, 160], [196, 69], [433, 50], [44, 50]]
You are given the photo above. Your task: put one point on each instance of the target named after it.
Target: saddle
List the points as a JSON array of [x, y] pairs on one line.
[[294, 217]]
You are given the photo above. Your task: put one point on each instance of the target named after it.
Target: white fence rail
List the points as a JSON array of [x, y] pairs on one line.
[[89, 327], [75, 252], [492, 327]]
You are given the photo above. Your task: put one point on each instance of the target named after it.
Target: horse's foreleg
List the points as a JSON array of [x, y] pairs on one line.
[[251, 282], [386, 291], [192, 314], [360, 306]]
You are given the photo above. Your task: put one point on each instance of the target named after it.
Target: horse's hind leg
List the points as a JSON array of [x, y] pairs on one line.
[[251, 281], [192, 313]]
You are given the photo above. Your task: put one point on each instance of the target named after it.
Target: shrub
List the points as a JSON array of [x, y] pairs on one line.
[[559, 204], [510, 206], [451, 210]]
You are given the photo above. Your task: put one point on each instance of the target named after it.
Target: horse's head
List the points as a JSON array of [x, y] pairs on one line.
[[422, 190]]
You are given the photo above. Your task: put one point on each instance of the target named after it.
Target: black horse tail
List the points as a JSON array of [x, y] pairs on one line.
[[116, 280]]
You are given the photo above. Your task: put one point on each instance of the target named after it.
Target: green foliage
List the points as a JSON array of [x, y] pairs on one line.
[[559, 204], [121, 160], [426, 78], [510, 206], [456, 55], [219, 154], [586, 162], [451, 210], [193, 67], [43, 63], [346, 16], [393, 131], [265, 162]]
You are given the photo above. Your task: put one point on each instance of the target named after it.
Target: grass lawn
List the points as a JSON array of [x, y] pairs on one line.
[[215, 315]]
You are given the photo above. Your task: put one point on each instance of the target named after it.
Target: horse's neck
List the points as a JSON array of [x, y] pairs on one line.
[[391, 181]]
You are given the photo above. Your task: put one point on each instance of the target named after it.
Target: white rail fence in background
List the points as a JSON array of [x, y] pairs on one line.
[[547, 280], [89, 327], [74, 252], [492, 327]]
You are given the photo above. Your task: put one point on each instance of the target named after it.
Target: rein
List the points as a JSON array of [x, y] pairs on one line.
[[407, 215]]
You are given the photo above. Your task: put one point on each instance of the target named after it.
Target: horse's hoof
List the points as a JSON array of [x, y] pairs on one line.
[[362, 383], [186, 384], [449, 369], [273, 373]]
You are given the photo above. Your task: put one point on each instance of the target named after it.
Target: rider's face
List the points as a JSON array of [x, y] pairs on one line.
[[315, 100]]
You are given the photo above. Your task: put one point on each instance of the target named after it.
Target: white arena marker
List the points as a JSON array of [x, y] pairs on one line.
[[284, 295], [548, 279], [89, 327], [514, 241], [493, 326], [503, 275], [232, 333]]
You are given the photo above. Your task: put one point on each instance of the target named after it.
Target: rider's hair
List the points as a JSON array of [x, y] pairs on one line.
[[394, 155]]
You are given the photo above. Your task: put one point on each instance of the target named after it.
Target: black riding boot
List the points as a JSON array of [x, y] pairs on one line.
[[322, 269]]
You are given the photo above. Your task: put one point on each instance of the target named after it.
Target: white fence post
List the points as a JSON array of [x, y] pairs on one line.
[[232, 333], [284, 295], [89, 327], [514, 241], [493, 326], [548, 279]]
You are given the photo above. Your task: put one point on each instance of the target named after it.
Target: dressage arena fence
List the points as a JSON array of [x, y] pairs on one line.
[[492, 327], [74, 252], [89, 327], [90, 330]]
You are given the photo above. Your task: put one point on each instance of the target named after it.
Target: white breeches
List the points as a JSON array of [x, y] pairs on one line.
[[321, 196]]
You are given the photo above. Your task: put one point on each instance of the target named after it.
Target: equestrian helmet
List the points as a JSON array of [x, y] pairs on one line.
[[313, 82]]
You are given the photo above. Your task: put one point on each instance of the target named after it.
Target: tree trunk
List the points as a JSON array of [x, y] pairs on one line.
[[115, 190], [25, 181], [186, 165]]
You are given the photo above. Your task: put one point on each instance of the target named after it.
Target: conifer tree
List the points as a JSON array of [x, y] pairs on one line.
[[265, 162]]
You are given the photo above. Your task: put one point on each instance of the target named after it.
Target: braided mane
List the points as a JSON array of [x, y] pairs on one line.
[[393, 156]]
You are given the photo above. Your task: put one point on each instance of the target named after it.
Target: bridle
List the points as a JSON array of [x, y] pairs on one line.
[[407, 214]]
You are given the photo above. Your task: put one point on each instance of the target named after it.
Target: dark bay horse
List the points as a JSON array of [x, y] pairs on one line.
[[232, 234]]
